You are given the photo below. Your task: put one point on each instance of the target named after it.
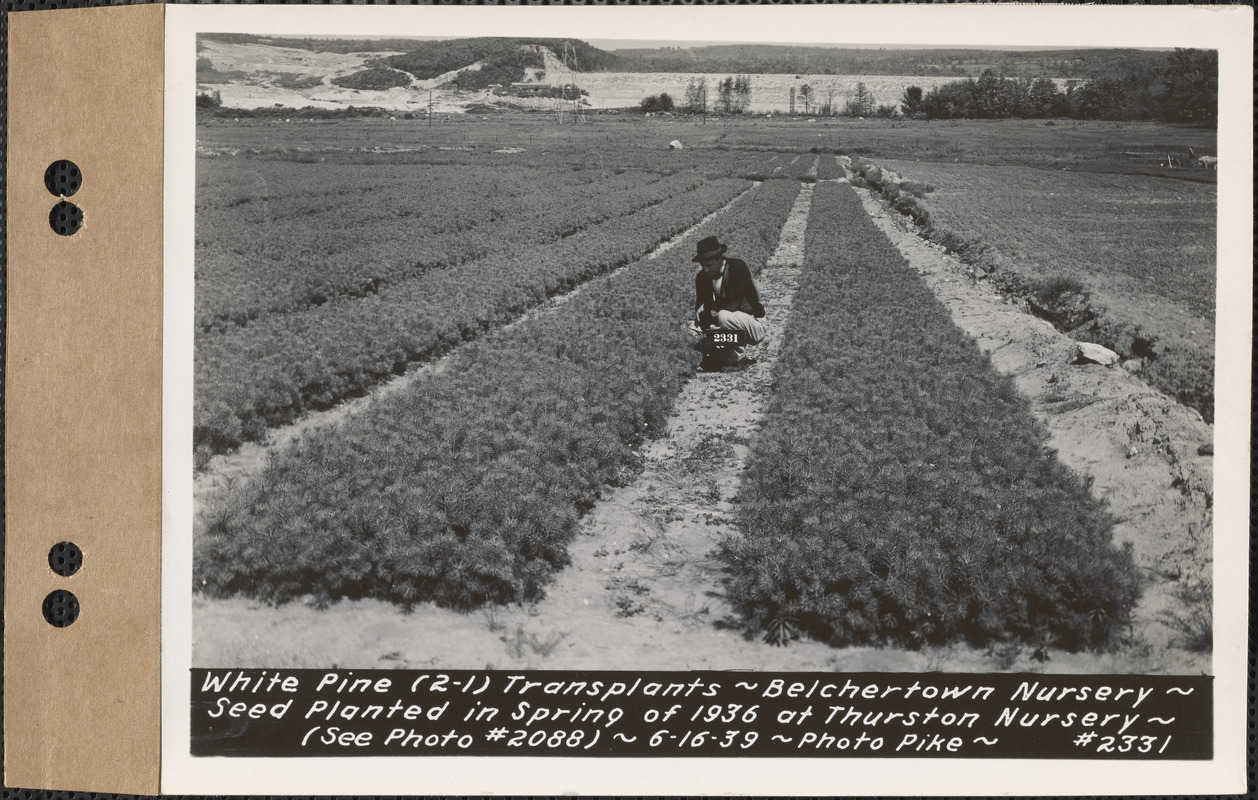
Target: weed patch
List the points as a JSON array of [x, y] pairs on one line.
[[1193, 620], [522, 644], [1063, 301]]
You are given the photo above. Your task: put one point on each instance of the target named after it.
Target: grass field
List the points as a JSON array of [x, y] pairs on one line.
[[467, 488], [1125, 236]]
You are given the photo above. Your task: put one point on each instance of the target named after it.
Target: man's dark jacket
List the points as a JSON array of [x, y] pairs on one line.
[[738, 292]]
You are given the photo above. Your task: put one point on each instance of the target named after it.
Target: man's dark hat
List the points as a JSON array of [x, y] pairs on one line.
[[710, 247]]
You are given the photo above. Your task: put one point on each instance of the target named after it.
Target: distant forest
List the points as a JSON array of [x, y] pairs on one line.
[[1182, 86], [783, 59]]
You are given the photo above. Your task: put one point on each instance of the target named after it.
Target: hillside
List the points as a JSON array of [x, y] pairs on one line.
[[250, 72], [504, 59]]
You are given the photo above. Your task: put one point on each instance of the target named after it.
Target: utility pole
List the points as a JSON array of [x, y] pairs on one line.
[[430, 108]]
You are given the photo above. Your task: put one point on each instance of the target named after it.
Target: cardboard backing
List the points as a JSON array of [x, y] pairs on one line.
[[83, 411]]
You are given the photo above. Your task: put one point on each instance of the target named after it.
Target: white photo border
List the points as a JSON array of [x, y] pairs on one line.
[[1224, 28]]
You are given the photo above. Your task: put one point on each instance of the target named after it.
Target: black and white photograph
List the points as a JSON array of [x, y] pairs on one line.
[[699, 351]]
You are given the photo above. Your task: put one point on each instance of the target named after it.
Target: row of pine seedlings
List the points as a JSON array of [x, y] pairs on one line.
[[249, 269], [829, 168], [278, 366], [901, 492], [467, 488]]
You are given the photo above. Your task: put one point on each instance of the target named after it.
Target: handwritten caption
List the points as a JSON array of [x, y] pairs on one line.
[[293, 713]]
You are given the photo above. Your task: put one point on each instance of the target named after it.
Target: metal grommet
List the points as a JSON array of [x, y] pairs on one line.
[[66, 218], [63, 178], [65, 558], [61, 608]]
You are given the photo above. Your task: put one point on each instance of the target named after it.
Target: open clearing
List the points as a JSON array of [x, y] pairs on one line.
[[642, 590]]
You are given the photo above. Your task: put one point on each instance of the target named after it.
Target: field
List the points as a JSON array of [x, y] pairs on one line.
[[550, 265]]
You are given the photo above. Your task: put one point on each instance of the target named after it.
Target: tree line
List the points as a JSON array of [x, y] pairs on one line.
[[1183, 89], [823, 61], [733, 96]]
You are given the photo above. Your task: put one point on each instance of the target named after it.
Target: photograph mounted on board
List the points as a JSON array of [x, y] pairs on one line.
[[571, 354]]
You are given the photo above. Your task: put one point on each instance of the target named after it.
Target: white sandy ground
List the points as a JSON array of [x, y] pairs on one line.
[[643, 588]]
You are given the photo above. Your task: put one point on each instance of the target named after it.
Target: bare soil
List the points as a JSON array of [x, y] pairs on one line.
[[643, 591]]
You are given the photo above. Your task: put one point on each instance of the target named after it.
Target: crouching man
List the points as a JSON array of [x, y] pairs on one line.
[[726, 299]]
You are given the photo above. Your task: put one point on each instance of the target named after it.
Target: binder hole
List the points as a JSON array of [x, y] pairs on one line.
[[61, 608], [66, 218], [62, 178], [65, 558]]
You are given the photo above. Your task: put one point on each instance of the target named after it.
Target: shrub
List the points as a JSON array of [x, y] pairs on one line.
[[288, 80], [217, 428], [657, 103], [906, 197], [373, 78], [210, 98], [916, 188], [901, 492], [913, 207], [1063, 301]]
